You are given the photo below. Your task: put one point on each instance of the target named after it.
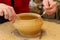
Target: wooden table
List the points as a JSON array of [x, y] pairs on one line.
[[51, 31]]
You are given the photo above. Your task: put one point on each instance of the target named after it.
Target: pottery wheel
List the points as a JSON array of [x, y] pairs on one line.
[[51, 28], [39, 34]]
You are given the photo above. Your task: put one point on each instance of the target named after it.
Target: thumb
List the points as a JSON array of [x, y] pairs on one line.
[[54, 4], [45, 3], [51, 1]]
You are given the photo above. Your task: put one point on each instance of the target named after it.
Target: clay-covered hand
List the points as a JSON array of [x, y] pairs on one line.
[[50, 6], [7, 11]]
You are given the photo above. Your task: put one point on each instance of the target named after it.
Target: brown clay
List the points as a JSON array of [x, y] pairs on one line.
[[28, 23]]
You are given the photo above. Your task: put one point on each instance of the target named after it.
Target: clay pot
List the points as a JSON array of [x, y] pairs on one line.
[[28, 23]]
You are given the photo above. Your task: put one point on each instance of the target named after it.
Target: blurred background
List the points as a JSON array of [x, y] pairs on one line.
[[36, 6]]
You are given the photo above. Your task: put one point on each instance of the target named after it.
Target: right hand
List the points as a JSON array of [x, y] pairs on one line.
[[50, 6], [8, 12]]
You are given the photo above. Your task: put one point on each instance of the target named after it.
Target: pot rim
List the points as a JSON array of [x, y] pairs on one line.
[[31, 14]]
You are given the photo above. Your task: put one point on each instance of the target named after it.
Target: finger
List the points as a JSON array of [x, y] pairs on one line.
[[1, 12], [6, 15], [54, 4], [50, 1], [51, 11], [46, 7], [45, 3], [48, 13], [13, 20], [11, 14], [6, 12]]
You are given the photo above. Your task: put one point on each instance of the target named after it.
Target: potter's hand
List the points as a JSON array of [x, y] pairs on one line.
[[50, 6], [7, 11]]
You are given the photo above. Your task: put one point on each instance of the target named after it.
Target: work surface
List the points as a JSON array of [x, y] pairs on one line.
[[51, 31]]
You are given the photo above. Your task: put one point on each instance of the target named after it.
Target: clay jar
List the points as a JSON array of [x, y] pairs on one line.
[[28, 23]]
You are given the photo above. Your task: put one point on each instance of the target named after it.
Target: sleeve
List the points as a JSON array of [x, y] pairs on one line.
[[1, 1], [25, 6]]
